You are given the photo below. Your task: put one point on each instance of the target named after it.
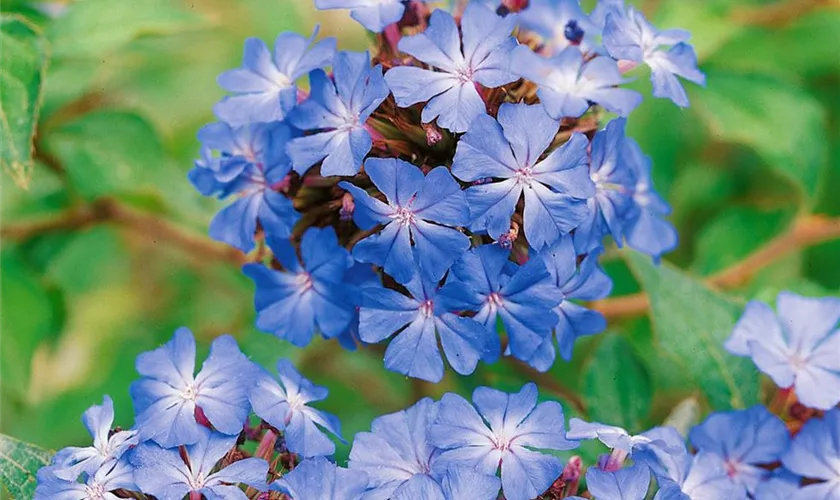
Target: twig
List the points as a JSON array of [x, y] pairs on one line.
[[780, 14], [805, 232], [148, 226], [546, 382]]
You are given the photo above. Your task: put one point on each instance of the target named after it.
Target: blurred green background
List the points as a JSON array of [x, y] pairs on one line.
[[127, 85]]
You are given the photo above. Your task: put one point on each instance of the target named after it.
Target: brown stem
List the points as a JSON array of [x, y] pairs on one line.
[[546, 382], [805, 232], [149, 227]]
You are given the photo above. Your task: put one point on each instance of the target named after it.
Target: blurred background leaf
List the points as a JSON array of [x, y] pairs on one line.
[[86, 288]]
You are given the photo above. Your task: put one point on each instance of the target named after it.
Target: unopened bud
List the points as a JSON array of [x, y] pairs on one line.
[[515, 5], [201, 418], [571, 475], [507, 240], [613, 461], [433, 134], [348, 206], [573, 32]]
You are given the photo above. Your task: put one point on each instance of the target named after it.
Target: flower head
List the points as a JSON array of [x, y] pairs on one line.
[[583, 281], [629, 36], [396, 449], [743, 440], [97, 485], [615, 178], [264, 88], [168, 396], [107, 448], [337, 112], [319, 479], [523, 299], [568, 84], [285, 405], [561, 23], [815, 454], [629, 483], [251, 163], [419, 208], [503, 431], [480, 55], [168, 475], [555, 188], [419, 320], [310, 293], [796, 346]]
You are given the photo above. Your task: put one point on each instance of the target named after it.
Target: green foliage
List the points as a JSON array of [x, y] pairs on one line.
[[617, 386], [691, 324], [19, 462], [22, 69]]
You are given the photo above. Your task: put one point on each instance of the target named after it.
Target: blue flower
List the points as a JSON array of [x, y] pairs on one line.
[[396, 449], [319, 479], [168, 396], [523, 300], [646, 229], [309, 293], [631, 37], [797, 346], [630, 483], [584, 281], [252, 163], [814, 453], [697, 478], [568, 85], [264, 87], [338, 112], [98, 485], [743, 440], [71, 462], [480, 56], [615, 179], [510, 149], [782, 485], [285, 406], [562, 23], [458, 483], [617, 438], [414, 203], [503, 433], [373, 15], [165, 474], [419, 319]]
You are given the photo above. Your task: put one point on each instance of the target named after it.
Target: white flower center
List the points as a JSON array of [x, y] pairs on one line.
[[190, 392], [427, 309], [464, 74], [197, 482], [524, 176], [404, 216], [282, 81], [304, 281], [495, 300], [95, 491]]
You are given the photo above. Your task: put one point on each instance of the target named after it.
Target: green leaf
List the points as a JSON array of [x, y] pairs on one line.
[[617, 386], [19, 463], [98, 27], [36, 317], [90, 260], [22, 70], [783, 124], [108, 152], [691, 323]]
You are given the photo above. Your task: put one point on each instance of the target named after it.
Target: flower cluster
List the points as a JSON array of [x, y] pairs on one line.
[[453, 177], [192, 431]]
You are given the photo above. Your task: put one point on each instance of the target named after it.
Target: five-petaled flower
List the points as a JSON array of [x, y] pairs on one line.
[[502, 431], [169, 475], [285, 405], [168, 396], [555, 188], [337, 111], [797, 346], [480, 54], [309, 293], [264, 88], [419, 208]]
